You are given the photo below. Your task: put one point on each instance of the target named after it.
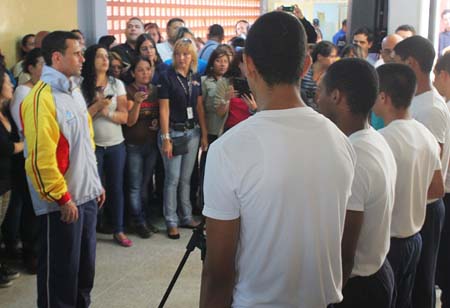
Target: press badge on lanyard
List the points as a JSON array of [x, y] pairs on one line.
[[188, 92]]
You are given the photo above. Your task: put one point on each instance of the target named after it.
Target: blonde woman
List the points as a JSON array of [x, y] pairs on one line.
[[183, 126]]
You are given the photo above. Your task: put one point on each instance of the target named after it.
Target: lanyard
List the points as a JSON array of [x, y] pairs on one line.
[[188, 91]]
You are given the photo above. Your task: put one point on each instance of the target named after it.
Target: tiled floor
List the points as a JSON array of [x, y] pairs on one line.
[[134, 277]]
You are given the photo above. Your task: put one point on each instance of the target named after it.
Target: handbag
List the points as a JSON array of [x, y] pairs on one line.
[[180, 145]]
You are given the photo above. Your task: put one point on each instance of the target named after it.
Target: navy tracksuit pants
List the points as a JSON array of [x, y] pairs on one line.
[[67, 259]]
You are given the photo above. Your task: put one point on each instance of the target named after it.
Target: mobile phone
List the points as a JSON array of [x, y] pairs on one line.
[[143, 89], [241, 86], [288, 8], [109, 96]]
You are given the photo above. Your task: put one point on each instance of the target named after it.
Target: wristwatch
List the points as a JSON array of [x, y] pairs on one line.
[[165, 137]]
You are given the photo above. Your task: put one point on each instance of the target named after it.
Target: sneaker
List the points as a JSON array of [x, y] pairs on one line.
[[143, 231], [8, 273], [5, 282]]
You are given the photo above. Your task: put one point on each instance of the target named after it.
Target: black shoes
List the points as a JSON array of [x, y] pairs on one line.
[[6, 275], [143, 231]]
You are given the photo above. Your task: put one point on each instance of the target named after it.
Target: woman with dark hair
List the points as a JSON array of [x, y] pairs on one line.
[[351, 51], [323, 55], [107, 105], [20, 218], [217, 66], [233, 100], [109, 41], [146, 47], [9, 145], [140, 134], [153, 29], [26, 45], [183, 127]]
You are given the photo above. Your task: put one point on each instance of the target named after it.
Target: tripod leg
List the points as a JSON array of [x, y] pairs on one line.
[[174, 278]]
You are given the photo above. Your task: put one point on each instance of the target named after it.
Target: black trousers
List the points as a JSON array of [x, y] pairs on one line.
[[66, 266], [424, 294], [374, 291], [403, 256], [443, 263], [20, 221]]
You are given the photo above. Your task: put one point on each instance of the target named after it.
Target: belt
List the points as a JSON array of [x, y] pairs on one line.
[[183, 126]]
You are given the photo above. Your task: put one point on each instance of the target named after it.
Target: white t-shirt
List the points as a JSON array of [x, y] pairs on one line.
[[165, 50], [373, 192], [287, 175], [106, 132], [429, 108], [447, 178], [417, 156], [19, 95]]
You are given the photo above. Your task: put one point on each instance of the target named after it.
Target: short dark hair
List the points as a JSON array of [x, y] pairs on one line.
[[23, 43], [244, 21], [172, 20], [56, 42], [77, 31], [182, 31], [31, 58], [399, 82], [323, 48], [357, 79], [419, 48], [443, 64], [366, 31], [216, 30], [277, 45], [107, 40], [406, 28], [237, 41], [344, 22]]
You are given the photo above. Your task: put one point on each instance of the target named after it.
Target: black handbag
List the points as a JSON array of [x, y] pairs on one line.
[[180, 145]]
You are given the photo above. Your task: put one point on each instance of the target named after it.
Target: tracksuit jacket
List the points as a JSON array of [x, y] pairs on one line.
[[59, 146]]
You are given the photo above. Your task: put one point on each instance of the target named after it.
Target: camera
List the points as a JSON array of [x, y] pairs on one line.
[[288, 8]]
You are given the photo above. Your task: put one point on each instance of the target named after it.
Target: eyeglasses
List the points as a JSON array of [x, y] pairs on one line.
[[147, 48]]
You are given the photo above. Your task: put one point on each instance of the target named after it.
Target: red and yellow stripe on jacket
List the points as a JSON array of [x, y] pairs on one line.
[[47, 149]]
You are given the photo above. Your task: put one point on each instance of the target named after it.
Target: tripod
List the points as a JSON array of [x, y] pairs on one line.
[[197, 240]]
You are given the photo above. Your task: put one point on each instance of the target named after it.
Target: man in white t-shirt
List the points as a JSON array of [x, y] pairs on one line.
[[442, 84], [346, 96], [419, 175], [165, 49], [275, 219], [429, 108]]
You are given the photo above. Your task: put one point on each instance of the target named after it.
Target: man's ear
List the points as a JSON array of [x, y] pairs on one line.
[[249, 66], [306, 65], [335, 96]]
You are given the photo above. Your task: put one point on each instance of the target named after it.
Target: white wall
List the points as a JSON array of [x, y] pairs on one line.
[[411, 12]]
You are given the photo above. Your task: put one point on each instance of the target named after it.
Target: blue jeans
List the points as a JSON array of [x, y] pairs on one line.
[[177, 183], [141, 160], [111, 164]]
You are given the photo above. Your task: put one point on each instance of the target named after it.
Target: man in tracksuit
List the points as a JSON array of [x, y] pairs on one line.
[[62, 173]]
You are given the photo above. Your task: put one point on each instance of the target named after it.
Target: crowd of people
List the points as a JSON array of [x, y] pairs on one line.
[[349, 214]]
